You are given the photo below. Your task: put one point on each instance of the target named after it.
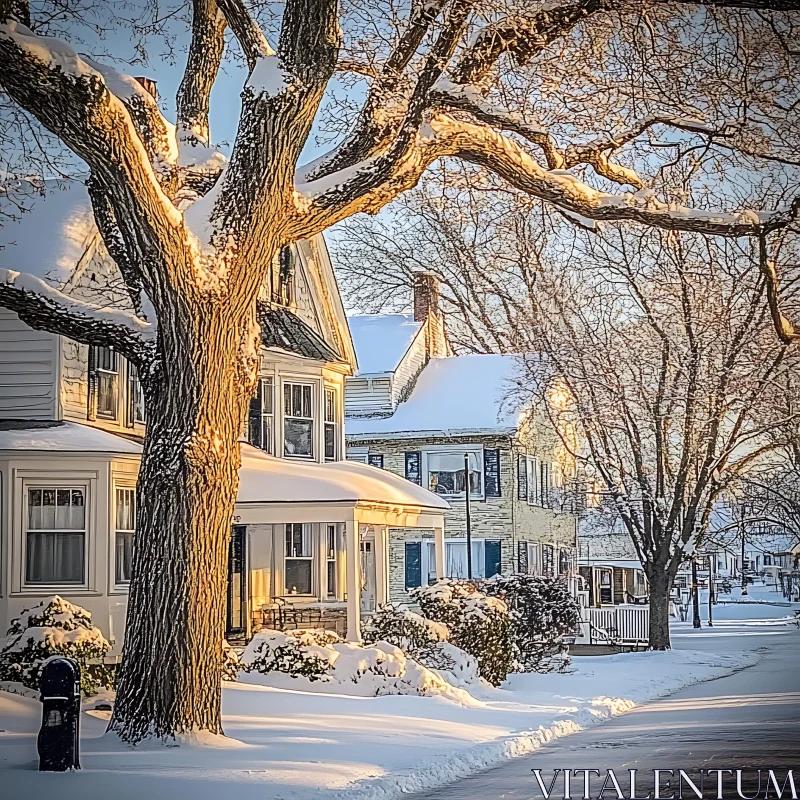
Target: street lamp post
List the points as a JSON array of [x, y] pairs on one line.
[[712, 557], [695, 595]]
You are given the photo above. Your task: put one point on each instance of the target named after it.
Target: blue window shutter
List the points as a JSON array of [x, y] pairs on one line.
[[492, 552], [491, 471], [375, 460], [413, 565], [414, 467]]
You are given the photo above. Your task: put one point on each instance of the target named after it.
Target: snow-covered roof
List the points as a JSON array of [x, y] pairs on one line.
[[619, 563], [50, 237], [457, 393], [381, 340], [266, 479], [64, 437]]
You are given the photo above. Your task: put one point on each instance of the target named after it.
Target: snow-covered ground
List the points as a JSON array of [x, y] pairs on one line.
[[291, 745]]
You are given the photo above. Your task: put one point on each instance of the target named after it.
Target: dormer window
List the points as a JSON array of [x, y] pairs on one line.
[[106, 364]]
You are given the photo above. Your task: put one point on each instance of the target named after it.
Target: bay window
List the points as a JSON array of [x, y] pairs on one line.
[[298, 566], [298, 420], [124, 533], [55, 535], [446, 473]]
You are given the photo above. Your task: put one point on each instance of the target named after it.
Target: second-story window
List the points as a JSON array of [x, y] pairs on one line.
[[267, 414], [330, 424], [107, 375], [298, 420], [135, 397]]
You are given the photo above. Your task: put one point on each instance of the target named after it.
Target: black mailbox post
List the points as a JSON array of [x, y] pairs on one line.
[[58, 741]]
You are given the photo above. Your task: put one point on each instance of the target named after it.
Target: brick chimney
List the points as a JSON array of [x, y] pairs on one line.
[[426, 296], [426, 310], [149, 84]]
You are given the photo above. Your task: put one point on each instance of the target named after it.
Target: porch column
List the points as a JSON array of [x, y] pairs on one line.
[[353, 567], [438, 542], [381, 565]]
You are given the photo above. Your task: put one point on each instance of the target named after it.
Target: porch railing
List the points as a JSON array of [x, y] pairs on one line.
[[619, 625]]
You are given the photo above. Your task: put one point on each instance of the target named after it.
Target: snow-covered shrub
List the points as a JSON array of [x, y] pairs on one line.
[[55, 627], [403, 628], [296, 653], [230, 662], [543, 613], [478, 623]]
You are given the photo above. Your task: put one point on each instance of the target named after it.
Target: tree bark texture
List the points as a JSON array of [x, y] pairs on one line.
[[170, 680], [660, 584]]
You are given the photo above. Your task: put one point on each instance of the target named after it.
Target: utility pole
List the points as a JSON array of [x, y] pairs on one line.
[[695, 595], [744, 579], [469, 521]]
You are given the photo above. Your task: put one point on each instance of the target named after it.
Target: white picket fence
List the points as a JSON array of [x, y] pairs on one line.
[[614, 625]]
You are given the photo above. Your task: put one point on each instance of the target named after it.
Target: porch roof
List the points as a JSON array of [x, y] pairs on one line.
[[620, 563], [266, 479], [65, 437]]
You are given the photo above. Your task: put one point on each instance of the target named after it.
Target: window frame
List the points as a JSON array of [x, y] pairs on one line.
[[266, 385], [121, 487], [330, 528], [104, 371], [290, 384], [305, 528], [329, 422], [135, 392], [535, 563], [460, 450], [29, 486]]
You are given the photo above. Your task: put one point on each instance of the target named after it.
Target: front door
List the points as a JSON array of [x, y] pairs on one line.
[[367, 575], [236, 619]]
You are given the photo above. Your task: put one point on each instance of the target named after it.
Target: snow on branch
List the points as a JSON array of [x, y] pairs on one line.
[[246, 30], [45, 308]]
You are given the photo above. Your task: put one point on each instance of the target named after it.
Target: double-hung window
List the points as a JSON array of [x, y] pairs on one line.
[[107, 376], [55, 535], [447, 474], [125, 529], [135, 397], [298, 420], [298, 567], [534, 561], [330, 424], [267, 414]]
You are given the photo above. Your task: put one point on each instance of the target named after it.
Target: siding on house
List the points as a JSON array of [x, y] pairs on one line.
[[412, 363], [368, 396], [506, 518], [28, 370]]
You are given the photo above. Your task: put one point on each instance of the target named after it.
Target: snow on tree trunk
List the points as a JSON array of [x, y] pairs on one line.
[[172, 660]]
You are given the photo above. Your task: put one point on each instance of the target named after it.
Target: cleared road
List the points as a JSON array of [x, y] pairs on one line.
[[749, 720]]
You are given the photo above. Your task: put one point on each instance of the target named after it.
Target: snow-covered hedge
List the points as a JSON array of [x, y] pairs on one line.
[[543, 613], [425, 640], [54, 627], [478, 623], [320, 661]]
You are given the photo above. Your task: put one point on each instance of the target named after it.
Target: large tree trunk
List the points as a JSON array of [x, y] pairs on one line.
[[170, 680], [660, 584]]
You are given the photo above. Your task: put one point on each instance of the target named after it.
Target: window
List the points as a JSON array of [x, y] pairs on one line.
[[298, 420], [485, 559], [55, 536], [446, 474], [135, 397], [534, 564], [107, 369], [767, 560], [330, 555], [375, 460], [540, 482], [298, 561], [564, 562], [330, 424], [267, 414], [125, 528], [548, 555]]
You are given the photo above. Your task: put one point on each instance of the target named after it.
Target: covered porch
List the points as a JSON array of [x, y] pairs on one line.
[[310, 544]]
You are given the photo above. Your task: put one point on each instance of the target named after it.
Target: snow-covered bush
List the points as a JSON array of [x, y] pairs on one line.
[[403, 628], [320, 661], [55, 627], [230, 662], [297, 653], [478, 623], [543, 613]]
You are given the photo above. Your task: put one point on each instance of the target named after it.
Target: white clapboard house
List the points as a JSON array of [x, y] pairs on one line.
[[309, 545]]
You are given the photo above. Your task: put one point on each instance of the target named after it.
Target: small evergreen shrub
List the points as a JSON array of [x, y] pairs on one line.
[[55, 627], [543, 613], [300, 654], [403, 628], [478, 623]]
